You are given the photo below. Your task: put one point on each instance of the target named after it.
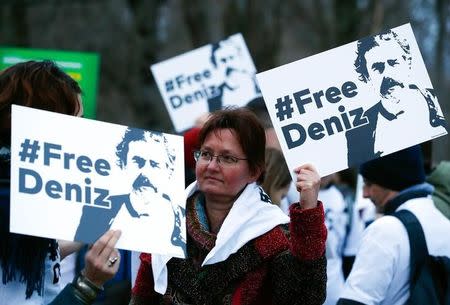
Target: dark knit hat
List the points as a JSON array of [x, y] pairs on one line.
[[396, 171]]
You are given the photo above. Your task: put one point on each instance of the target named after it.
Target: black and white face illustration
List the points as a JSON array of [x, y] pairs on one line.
[[144, 171], [234, 75], [147, 167], [226, 57], [147, 163], [388, 72]]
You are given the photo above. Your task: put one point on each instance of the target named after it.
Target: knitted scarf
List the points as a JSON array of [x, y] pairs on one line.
[[251, 216], [22, 257]]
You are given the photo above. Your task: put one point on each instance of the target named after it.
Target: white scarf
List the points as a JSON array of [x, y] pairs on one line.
[[249, 217]]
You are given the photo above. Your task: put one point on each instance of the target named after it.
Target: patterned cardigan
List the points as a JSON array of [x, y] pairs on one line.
[[279, 267]]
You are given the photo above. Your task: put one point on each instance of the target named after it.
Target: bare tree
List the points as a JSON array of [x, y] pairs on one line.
[[127, 36], [260, 24], [196, 15], [14, 23]]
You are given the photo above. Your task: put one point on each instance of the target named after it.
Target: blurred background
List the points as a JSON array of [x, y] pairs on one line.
[[131, 35]]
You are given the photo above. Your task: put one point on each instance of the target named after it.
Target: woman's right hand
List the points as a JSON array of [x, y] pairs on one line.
[[308, 185], [102, 260]]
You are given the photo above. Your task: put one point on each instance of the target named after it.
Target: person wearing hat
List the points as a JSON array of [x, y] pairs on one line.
[[380, 274]]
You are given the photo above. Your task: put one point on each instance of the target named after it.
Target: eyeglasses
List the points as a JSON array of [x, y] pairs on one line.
[[206, 157]]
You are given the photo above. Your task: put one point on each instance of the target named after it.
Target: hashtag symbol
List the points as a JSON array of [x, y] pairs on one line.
[[284, 108], [29, 151], [169, 86]]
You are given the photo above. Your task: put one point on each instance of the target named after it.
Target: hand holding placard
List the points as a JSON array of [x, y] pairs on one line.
[[308, 185]]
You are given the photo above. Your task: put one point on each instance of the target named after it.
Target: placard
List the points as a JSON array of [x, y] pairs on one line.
[[354, 103], [75, 178], [206, 79]]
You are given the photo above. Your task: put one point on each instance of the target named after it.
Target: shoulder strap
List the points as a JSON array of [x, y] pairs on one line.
[[417, 242]]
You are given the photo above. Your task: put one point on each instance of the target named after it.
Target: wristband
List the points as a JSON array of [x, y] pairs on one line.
[[87, 289]]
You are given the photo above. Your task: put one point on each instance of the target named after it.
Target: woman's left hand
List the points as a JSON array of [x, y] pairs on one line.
[[308, 185], [102, 260]]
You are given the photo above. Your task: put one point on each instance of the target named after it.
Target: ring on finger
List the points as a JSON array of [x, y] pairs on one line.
[[112, 261]]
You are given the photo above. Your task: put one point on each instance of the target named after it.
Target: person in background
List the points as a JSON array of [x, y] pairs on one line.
[[440, 179], [258, 107], [366, 209], [29, 266], [337, 220], [277, 178], [191, 144], [381, 272], [345, 182], [237, 252]]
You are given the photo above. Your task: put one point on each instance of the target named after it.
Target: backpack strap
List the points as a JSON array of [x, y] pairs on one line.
[[417, 242]]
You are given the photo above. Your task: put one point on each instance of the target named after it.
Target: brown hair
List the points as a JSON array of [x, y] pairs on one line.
[[36, 84], [248, 130], [277, 173]]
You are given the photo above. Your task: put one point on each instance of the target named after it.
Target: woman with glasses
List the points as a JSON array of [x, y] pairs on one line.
[[237, 251]]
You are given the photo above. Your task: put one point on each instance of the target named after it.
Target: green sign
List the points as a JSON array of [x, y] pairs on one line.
[[82, 67]]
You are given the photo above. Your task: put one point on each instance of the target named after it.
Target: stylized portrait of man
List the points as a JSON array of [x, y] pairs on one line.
[[384, 62], [227, 60], [147, 163]]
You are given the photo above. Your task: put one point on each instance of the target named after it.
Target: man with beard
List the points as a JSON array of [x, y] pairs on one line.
[[384, 62], [147, 162], [238, 84]]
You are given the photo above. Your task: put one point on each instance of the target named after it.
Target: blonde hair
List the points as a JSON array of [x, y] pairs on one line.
[[276, 175]]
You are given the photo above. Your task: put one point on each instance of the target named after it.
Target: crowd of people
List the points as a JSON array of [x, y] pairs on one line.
[[254, 235]]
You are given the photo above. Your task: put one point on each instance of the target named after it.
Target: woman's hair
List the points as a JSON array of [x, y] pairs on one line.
[[37, 84], [277, 174], [44, 86], [248, 130]]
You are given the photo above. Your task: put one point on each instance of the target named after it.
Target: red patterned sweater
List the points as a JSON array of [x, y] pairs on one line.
[[279, 267]]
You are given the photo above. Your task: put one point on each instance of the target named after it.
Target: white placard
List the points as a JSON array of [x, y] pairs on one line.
[[351, 104], [206, 79], [74, 178]]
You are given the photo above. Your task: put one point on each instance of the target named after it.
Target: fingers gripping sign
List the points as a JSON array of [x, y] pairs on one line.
[[308, 185], [102, 259]]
